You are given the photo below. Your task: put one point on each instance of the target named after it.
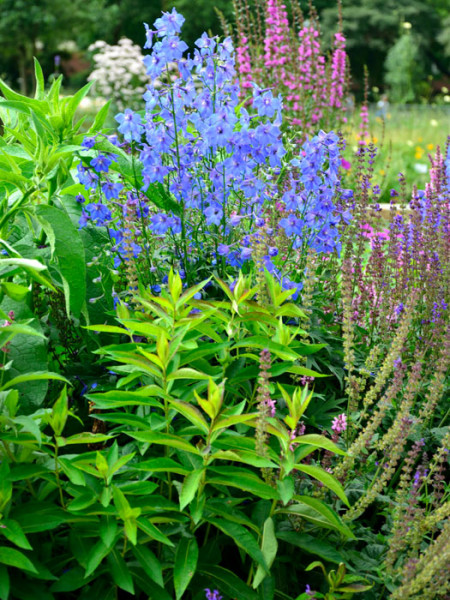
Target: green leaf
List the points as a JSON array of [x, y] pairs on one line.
[[100, 118], [85, 438], [95, 556], [14, 290], [191, 413], [186, 557], [242, 538], [33, 377], [68, 250], [119, 571], [242, 479], [187, 373], [119, 398], [71, 580], [40, 83], [269, 548], [30, 266], [149, 563], [14, 533], [147, 527], [227, 582], [14, 558], [317, 512], [157, 465], [326, 478], [320, 441], [286, 489], [190, 487], [260, 341], [28, 353], [165, 439], [311, 545]]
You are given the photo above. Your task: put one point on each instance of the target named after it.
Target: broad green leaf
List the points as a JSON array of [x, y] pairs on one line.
[[13, 558], [269, 548], [28, 353], [242, 538], [190, 487], [326, 478], [119, 571], [186, 557], [69, 253]]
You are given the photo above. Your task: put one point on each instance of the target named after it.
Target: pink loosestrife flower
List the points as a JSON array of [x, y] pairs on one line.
[[339, 424], [338, 68]]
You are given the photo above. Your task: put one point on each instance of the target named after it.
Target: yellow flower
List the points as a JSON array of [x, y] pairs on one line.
[[418, 155], [430, 146], [374, 140], [382, 172]]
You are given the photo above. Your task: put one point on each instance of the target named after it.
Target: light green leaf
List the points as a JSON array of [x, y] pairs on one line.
[[326, 478], [164, 439], [190, 487], [269, 548], [14, 558]]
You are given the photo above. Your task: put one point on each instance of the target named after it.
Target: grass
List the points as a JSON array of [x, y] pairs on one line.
[[405, 139]]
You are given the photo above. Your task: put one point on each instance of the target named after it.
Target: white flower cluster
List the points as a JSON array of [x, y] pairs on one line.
[[119, 72]]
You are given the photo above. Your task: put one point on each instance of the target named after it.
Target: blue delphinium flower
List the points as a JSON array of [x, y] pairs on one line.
[[130, 125]]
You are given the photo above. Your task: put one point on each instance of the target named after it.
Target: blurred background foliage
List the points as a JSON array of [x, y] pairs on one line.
[[375, 30]]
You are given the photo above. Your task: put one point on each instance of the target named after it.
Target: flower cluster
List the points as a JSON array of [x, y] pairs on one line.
[[293, 63], [220, 165], [118, 73]]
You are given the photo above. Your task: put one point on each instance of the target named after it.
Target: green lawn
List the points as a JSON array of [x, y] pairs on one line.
[[404, 140]]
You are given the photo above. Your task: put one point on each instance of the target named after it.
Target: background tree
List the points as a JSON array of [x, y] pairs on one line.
[[26, 27], [404, 68]]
